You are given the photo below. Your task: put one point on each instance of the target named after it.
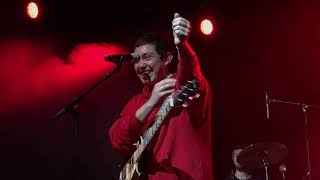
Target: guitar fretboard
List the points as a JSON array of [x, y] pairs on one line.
[[149, 133]]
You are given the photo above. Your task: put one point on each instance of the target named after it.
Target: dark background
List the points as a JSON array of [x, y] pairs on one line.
[[258, 45]]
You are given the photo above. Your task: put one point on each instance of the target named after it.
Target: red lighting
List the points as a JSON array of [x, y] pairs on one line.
[[32, 10], [206, 27]]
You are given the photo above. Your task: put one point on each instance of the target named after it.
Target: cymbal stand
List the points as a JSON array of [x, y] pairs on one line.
[[266, 165], [283, 170], [304, 109]]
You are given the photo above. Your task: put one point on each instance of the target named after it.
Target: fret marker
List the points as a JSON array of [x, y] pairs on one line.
[[171, 104]]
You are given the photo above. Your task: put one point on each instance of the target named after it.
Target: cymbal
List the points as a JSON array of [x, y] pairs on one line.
[[254, 155]]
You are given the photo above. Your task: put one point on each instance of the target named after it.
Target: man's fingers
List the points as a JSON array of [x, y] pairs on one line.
[[180, 19], [176, 15], [166, 92], [181, 33], [167, 80], [170, 75], [181, 22], [182, 29], [167, 86]]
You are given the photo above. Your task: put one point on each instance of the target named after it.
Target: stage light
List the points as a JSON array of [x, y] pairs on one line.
[[206, 27], [32, 10]]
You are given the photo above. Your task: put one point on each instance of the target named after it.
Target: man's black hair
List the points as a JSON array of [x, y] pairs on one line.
[[163, 44]]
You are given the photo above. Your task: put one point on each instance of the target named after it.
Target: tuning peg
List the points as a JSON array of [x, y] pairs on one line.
[[194, 97], [185, 105], [190, 90], [184, 94]]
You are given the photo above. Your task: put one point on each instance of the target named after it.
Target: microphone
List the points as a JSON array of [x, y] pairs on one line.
[[267, 105], [124, 57]]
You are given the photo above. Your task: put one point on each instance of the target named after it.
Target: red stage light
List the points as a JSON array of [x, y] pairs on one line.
[[206, 27], [32, 10]]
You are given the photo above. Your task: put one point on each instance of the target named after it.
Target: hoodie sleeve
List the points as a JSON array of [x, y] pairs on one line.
[[188, 69], [126, 129]]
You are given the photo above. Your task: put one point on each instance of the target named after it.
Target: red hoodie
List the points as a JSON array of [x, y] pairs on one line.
[[183, 147]]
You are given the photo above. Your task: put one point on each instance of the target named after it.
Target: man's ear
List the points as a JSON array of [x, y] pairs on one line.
[[168, 59]]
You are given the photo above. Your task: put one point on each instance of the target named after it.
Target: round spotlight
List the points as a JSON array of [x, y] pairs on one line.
[[206, 27], [32, 10]]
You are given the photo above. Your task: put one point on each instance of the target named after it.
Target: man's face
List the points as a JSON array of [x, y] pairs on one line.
[[150, 67], [234, 158]]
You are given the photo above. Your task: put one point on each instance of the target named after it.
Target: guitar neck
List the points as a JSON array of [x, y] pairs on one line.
[[160, 117], [162, 113]]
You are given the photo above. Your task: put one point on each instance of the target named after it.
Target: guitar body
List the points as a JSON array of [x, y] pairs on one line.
[[133, 174]]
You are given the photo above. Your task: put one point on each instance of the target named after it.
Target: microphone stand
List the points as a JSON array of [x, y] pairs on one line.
[[304, 108], [73, 109]]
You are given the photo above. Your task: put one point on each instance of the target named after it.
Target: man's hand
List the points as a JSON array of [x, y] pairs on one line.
[[181, 29], [162, 88]]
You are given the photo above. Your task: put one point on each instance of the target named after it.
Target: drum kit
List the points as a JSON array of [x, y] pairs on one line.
[[263, 155], [266, 154]]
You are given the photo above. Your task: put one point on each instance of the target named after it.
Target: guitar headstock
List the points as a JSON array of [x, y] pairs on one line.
[[186, 93]]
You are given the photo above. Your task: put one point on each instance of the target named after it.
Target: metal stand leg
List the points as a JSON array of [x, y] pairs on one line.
[[266, 164]]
